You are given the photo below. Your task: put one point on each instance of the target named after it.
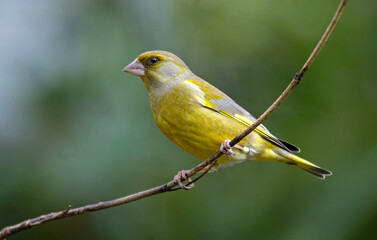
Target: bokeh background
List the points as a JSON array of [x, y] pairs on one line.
[[75, 129]]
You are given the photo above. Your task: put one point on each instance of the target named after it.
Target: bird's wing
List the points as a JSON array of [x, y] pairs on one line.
[[219, 102]]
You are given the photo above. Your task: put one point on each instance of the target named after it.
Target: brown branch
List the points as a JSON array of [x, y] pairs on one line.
[[10, 230]]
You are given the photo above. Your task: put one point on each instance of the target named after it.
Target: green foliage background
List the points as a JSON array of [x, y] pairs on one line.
[[75, 129]]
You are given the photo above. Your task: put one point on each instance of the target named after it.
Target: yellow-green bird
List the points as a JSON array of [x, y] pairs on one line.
[[200, 118]]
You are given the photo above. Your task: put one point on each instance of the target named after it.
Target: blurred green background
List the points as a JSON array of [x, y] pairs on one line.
[[75, 129]]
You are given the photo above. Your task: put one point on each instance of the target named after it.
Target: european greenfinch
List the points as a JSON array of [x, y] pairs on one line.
[[200, 118]]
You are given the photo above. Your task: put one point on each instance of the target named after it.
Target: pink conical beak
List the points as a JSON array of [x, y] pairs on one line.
[[135, 68]]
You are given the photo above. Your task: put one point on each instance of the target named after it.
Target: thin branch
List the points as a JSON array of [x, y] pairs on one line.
[[10, 230], [196, 179]]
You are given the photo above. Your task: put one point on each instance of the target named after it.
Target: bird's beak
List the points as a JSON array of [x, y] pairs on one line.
[[135, 68]]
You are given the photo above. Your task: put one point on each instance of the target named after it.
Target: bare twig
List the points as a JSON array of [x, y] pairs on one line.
[[10, 230], [196, 179]]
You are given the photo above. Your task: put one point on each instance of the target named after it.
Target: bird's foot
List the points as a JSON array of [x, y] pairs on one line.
[[182, 175], [227, 149]]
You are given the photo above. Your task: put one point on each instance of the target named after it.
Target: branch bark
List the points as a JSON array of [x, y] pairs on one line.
[[10, 230]]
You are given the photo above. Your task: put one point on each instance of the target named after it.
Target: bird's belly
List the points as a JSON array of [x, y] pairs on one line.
[[201, 131]]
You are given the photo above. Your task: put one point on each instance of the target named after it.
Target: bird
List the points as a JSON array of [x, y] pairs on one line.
[[200, 118]]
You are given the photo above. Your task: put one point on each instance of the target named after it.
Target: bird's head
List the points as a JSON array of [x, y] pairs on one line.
[[158, 69]]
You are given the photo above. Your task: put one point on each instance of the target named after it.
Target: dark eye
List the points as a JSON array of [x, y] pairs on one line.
[[151, 61]]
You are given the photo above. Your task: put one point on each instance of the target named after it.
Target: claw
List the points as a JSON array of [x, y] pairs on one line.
[[182, 175], [226, 148]]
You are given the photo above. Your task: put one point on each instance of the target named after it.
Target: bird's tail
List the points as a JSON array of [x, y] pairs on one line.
[[292, 159]]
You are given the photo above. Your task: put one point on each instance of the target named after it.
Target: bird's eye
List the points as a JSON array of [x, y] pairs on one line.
[[151, 61]]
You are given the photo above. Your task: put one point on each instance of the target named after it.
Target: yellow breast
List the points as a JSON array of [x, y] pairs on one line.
[[196, 129]]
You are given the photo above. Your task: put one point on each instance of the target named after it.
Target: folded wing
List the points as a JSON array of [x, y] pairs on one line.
[[219, 102]]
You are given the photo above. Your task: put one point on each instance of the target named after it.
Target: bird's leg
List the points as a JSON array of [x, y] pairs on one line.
[[182, 175], [227, 149]]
